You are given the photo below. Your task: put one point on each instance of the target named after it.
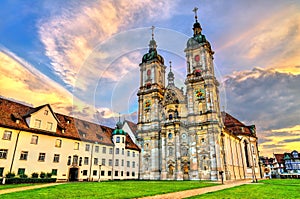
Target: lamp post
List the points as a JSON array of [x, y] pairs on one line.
[[99, 179]]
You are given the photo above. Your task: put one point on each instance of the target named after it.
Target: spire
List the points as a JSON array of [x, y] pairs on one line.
[[197, 27], [152, 43], [119, 123], [171, 76], [195, 11]]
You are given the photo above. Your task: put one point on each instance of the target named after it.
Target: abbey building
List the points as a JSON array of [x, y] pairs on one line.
[[182, 134]]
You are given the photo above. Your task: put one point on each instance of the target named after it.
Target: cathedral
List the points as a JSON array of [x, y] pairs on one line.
[[183, 134]]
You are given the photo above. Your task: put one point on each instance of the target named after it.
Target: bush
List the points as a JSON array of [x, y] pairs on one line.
[[23, 176], [29, 180], [42, 175], [10, 175], [34, 175], [48, 175]]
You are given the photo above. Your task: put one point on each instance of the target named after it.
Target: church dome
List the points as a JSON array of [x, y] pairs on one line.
[[152, 55]]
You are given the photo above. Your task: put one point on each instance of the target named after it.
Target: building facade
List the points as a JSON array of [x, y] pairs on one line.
[[182, 134], [39, 140]]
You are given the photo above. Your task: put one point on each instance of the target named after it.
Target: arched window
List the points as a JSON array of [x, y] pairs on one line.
[[246, 153]]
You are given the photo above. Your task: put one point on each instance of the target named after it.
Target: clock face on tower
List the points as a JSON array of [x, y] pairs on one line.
[[148, 72], [197, 58]]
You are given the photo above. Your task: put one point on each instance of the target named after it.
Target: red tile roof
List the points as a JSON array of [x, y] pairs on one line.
[[68, 127], [235, 126], [133, 127], [279, 158]]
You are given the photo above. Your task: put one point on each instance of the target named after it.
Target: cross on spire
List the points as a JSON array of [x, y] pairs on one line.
[[152, 28], [195, 11]]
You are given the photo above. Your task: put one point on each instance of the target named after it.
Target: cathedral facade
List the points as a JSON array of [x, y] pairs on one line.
[[182, 134]]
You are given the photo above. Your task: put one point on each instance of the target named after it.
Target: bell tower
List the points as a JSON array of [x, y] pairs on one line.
[[150, 95], [203, 113]]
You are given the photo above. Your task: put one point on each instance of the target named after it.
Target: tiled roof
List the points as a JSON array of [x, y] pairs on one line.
[[133, 127], [69, 127], [235, 126], [279, 158]]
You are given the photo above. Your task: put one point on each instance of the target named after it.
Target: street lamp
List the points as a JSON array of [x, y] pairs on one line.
[[99, 179]]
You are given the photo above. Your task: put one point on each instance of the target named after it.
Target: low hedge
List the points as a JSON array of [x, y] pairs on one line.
[[29, 180]]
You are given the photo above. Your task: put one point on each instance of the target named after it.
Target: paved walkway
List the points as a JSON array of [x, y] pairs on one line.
[[4, 191], [194, 192]]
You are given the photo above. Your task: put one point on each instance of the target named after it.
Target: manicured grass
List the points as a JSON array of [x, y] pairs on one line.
[[10, 186], [112, 189], [274, 188]]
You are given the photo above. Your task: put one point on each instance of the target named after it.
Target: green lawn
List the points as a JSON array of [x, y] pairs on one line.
[[111, 189], [274, 188], [10, 186]]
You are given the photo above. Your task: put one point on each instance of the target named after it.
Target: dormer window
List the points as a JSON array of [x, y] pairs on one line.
[[49, 126], [37, 123], [46, 112]]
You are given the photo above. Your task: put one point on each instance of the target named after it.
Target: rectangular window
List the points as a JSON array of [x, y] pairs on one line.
[[76, 146], [122, 163], [110, 150], [109, 173], [133, 174], [75, 159], [3, 153], [102, 173], [104, 150], [58, 143], [7, 135], [42, 157], [37, 123], [86, 161], [56, 158], [49, 126], [127, 173], [128, 153], [21, 171], [87, 147], [54, 172], [122, 139], [117, 162], [116, 173], [84, 172], [121, 173], [117, 150], [110, 162], [133, 154], [133, 164], [128, 164], [103, 162], [1, 171], [34, 139], [24, 155], [123, 151], [94, 172], [118, 140], [95, 161], [97, 149]]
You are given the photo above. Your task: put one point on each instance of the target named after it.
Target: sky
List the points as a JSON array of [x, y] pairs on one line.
[[82, 57]]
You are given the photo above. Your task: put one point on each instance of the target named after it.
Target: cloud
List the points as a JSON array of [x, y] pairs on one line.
[[270, 100], [70, 36], [22, 82], [271, 42]]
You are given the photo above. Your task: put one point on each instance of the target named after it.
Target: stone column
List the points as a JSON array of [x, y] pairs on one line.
[[163, 156], [178, 171]]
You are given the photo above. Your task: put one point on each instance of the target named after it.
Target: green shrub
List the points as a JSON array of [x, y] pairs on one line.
[[48, 175], [42, 175], [10, 175], [34, 175], [29, 180], [23, 176]]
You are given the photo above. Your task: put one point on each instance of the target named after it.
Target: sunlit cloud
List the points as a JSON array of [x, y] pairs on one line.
[[70, 37]]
